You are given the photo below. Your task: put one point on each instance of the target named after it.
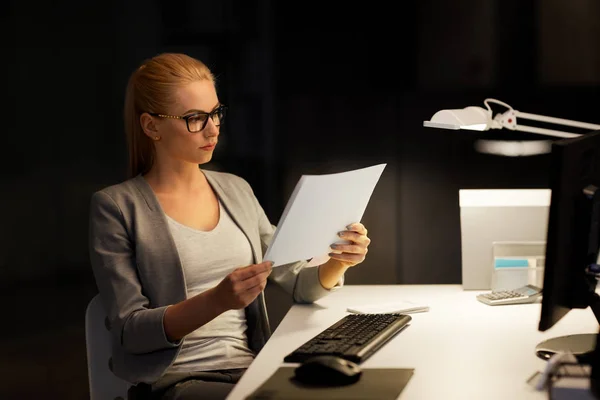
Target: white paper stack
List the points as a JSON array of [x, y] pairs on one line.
[[319, 207], [397, 307]]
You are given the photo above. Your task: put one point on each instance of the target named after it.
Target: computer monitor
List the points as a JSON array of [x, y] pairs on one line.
[[571, 268]]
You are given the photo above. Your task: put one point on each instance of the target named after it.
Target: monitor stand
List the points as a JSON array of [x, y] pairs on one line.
[[581, 345]]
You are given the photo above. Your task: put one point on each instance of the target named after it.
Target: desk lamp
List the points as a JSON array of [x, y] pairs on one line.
[[479, 119]]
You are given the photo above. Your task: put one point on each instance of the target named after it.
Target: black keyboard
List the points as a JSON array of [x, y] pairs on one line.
[[355, 337]]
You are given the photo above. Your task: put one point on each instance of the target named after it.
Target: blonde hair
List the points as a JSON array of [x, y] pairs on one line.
[[151, 88]]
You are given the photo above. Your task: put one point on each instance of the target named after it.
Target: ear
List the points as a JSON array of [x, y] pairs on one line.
[[149, 125]]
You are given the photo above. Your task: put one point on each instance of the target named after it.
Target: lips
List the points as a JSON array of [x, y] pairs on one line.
[[209, 146]]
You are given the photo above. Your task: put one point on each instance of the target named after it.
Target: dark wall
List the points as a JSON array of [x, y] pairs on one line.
[[355, 85], [313, 87]]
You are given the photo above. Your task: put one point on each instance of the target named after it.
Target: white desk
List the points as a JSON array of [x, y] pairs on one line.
[[460, 349]]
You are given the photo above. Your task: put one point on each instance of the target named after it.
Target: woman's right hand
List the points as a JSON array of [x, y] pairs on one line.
[[242, 286]]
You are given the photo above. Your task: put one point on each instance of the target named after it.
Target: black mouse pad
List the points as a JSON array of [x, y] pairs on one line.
[[374, 384]]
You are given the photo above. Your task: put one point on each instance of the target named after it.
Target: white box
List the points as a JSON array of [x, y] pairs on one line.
[[497, 215]]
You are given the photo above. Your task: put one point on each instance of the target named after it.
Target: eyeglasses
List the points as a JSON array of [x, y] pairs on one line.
[[197, 121]]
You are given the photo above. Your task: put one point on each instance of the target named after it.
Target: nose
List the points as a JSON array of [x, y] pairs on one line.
[[211, 129]]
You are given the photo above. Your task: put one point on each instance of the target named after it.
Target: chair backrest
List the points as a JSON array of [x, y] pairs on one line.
[[104, 385]]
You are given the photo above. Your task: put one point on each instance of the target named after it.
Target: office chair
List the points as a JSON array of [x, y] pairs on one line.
[[104, 385]]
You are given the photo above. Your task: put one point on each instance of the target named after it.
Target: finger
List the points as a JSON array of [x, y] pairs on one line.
[[355, 237], [348, 258], [348, 248], [357, 227], [250, 295], [252, 270], [255, 291], [249, 283]]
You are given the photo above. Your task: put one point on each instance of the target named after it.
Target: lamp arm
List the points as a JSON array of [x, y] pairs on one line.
[[558, 121], [509, 118], [542, 131]]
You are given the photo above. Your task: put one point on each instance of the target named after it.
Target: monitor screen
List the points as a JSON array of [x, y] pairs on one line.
[[573, 230]]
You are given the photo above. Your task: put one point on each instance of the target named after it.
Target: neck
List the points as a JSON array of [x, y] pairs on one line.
[[176, 178]]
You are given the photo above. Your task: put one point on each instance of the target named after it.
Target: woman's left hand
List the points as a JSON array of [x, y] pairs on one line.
[[354, 252]]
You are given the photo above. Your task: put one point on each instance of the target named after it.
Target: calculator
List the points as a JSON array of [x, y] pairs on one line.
[[522, 295]]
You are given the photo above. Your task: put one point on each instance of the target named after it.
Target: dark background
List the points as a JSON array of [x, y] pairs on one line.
[[313, 87]]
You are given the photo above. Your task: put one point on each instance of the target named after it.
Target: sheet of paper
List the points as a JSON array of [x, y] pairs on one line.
[[400, 307], [321, 206]]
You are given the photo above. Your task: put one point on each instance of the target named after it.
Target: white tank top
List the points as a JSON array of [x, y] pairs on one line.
[[207, 257]]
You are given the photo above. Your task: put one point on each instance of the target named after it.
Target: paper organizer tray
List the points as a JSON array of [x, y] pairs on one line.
[[517, 264]]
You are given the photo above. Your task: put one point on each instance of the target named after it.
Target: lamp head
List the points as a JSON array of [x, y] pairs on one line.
[[469, 118]]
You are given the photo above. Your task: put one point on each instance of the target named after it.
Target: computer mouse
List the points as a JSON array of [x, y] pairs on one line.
[[327, 371]]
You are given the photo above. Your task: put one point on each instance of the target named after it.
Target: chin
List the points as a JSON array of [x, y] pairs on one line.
[[203, 160]]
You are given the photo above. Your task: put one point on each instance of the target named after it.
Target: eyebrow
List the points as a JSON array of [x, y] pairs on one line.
[[200, 111]]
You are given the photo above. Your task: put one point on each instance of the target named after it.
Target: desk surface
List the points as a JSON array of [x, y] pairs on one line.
[[460, 349]]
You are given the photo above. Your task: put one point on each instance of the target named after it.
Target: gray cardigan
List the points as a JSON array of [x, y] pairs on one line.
[[138, 271]]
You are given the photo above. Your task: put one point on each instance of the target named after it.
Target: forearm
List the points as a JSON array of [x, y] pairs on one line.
[[185, 317], [331, 272]]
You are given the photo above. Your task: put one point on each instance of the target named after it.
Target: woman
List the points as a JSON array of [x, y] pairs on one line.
[[177, 251]]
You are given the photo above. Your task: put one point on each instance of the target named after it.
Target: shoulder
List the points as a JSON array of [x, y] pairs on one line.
[[228, 181], [120, 194]]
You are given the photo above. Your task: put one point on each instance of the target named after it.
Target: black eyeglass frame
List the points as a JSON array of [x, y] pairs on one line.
[[220, 109]]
